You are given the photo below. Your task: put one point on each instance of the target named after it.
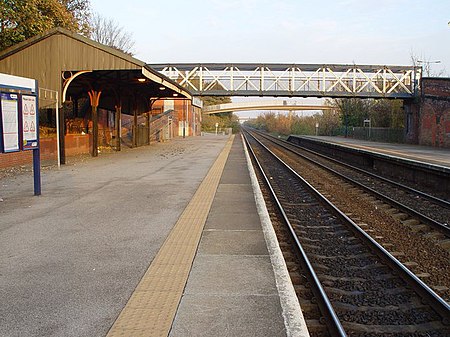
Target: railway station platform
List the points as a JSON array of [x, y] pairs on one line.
[[167, 240], [418, 153]]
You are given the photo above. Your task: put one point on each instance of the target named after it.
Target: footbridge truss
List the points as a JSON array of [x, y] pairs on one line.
[[295, 80], [262, 105]]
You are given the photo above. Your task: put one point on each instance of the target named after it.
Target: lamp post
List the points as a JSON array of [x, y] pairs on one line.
[[427, 65]]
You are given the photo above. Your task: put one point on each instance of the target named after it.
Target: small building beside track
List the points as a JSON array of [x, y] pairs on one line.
[[99, 98]]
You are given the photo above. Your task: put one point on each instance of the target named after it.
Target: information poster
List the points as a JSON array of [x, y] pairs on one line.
[[29, 122], [10, 122]]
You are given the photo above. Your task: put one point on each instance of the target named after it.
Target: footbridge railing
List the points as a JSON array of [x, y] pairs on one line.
[[295, 80], [282, 105]]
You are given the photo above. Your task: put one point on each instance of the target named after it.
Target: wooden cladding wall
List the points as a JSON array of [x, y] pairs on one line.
[[46, 59]]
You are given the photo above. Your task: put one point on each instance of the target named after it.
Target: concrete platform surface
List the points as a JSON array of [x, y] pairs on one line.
[[231, 289], [108, 248], [71, 258], [420, 153]]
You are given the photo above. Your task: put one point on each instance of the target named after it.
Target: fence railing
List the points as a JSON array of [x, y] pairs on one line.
[[388, 135]]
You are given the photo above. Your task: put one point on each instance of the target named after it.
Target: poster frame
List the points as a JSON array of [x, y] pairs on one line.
[[5, 148], [15, 85], [29, 143]]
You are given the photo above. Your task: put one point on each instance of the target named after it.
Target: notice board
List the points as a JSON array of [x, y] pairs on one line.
[[19, 120], [29, 122], [9, 111]]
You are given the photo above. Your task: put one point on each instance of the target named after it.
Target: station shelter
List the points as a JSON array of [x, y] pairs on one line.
[[96, 98]]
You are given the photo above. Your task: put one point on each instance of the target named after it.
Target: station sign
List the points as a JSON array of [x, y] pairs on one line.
[[18, 83], [196, 101]]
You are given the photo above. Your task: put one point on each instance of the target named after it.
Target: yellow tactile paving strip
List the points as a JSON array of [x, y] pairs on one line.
[[152, 307]]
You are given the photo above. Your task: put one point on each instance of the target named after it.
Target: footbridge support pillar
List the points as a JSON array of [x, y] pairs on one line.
[[428, 117]]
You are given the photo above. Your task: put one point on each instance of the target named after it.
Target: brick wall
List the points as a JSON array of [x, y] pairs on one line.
[[434, 124], [75, 145], [16, 159]]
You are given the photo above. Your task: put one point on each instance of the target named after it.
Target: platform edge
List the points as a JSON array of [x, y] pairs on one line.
[[292, 314]]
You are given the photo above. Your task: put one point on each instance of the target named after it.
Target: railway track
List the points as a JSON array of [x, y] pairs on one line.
[[426, 177], [346, 279], [427, 208], [424, 248]]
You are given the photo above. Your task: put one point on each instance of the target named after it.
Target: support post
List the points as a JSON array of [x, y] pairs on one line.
[[118, 124], [412, 110], [94, 97], [61, 128], [135, 130], [37, 152], [194, 124], [147, 122], [37, 170], [94, 131], [184, 122], [58, 132]]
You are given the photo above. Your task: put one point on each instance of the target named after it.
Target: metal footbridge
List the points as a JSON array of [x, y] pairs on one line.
[[280, 105], [295, 80]]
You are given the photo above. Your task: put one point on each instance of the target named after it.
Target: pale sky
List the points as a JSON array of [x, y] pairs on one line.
[[385, 32]]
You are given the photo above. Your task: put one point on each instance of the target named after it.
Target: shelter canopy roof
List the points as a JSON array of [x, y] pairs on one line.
[[72, 65]]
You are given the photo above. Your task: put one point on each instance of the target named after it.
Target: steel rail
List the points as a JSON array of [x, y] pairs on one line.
[[443, 228], [425, 292], [332, 321]]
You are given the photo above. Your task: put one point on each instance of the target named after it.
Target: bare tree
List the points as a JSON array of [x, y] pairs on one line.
[[426, 64], [109, 32]]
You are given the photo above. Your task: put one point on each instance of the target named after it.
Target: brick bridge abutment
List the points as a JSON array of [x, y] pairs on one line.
[[428, 116]]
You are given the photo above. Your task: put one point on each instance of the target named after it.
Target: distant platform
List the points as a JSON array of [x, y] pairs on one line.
[[418, 153]]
